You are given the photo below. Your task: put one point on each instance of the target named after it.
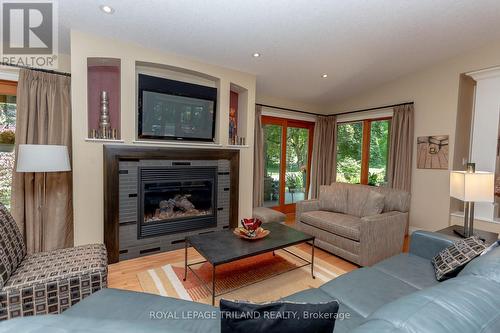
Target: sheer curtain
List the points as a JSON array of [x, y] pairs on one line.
[[258, 160], [401, 148], [43, 117], [323, 163]]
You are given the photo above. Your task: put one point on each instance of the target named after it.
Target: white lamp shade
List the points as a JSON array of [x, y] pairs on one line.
[[472, 187], [42, 158]]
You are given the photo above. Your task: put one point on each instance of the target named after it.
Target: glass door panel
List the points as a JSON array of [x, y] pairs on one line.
[[296, 173], [349, 149], [272, 164], [379, 152]]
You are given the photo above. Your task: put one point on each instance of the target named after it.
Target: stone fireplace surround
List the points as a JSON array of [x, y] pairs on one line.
[[117, 157]]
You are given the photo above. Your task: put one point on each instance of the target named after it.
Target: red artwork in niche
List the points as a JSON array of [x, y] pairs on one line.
[[233, 117]]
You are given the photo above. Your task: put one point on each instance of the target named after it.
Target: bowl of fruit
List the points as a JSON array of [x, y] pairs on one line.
[[251, 229]]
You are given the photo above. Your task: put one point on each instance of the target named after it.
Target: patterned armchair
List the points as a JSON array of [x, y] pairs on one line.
[[45, 282]]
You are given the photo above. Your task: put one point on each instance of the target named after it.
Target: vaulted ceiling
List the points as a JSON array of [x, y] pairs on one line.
[[359, 43]]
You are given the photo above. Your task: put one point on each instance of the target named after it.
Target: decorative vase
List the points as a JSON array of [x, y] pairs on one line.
[[6, 147], [104, 120]]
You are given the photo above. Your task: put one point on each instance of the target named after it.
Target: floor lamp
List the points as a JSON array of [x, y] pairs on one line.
[[42, 159], [470, 187]]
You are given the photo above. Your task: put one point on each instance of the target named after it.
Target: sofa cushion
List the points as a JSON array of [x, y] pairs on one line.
[[12, 248], [373, 205], [333, 198], [64, 324], [344, 323], [49, 267], [367, 289], [462, 304], [147, 309], [362, 201], [335, 223], [309, 296], [394, 199], [487, 266], [356, 198], [267, 215], [414, 270]]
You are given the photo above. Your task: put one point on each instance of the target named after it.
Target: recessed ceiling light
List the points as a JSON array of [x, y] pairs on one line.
[[107, 9], [256, 55], [324, 76]]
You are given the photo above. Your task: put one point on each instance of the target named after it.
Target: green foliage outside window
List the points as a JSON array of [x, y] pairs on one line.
[[349, 150], [7, 136]]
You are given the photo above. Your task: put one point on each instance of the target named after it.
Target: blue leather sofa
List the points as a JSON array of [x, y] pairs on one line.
[[399, 294]]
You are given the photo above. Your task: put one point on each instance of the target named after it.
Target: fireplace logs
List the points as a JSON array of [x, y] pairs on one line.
[[178, 207]]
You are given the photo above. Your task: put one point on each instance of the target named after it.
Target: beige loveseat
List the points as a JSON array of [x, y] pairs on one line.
[[360, 223]]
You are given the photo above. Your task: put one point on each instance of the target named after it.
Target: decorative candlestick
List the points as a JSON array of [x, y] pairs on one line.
[[104, 121]]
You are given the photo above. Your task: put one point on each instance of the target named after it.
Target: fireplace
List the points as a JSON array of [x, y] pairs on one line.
[[176, 199], [159, 174]]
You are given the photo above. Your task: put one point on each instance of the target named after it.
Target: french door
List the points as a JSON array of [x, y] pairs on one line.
[[287, 161]]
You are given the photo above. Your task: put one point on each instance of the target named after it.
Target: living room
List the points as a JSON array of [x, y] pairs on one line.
[[250, 166]]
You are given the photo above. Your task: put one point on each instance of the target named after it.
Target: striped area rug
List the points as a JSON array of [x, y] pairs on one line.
[[269, 274]]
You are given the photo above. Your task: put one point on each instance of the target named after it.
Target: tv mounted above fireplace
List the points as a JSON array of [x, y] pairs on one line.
[[175, 110]]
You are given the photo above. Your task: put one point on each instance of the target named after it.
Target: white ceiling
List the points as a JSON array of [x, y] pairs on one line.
[[359, 43]]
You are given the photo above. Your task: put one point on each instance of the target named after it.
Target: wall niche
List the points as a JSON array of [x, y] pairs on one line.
[[103, 91]]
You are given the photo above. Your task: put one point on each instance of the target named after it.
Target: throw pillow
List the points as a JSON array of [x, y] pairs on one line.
[[12, 248], [374, 204], [241, 317], [450, 261], [333, 198]]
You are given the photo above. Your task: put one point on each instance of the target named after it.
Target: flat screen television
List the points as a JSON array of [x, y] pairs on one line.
[[175, 110]]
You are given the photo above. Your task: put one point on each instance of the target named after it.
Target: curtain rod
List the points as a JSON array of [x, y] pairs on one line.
[[36, 69], [337, 114], [292, 110], [374, 108]]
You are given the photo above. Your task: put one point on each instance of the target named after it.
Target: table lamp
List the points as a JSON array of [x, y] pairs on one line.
[[471, 186]]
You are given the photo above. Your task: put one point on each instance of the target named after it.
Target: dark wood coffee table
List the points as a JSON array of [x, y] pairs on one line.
[[222, 247]]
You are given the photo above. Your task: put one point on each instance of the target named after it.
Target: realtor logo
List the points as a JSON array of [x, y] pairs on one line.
[[29, 33]]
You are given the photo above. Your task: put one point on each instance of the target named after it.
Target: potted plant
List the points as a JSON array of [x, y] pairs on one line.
[[303, 170], [7, 139], [292, 181]]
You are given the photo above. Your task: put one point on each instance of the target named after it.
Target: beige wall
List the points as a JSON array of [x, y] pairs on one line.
[[290, 104], [435, 93], [87, 156], [478, 224]]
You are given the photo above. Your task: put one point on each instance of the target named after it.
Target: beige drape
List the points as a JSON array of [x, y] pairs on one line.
[[258, 160], [43, 117], [323, 163], [401, 148]]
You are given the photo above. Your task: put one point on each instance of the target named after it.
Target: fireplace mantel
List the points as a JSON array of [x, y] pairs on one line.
[[113, 154]]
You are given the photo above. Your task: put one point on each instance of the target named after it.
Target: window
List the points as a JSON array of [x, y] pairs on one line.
[[362, 151], [287, 151], [7, 130]]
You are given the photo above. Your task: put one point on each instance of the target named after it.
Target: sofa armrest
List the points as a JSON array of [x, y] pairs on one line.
[[427, 244], [381, 236], [305, 206]]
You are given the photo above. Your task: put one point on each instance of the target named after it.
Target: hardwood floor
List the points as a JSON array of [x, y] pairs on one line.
[[123, 275]]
